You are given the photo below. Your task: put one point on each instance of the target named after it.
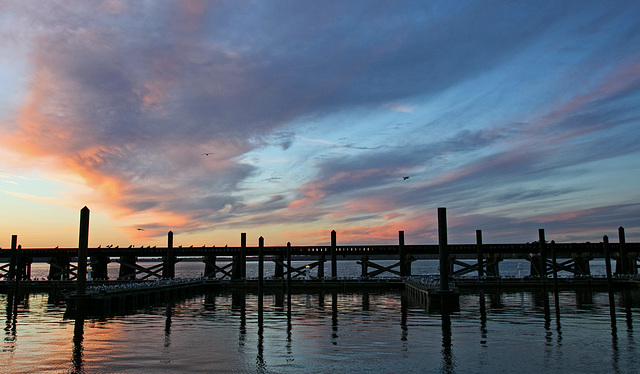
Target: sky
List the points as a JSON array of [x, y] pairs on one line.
[[290, 119]]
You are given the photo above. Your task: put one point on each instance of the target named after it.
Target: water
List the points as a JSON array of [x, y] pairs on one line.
[[375, 332], [345, 332]]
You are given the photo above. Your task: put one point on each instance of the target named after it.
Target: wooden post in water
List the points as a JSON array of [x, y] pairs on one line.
[[168, 267], [624, 263], [480, 254], [278, 271], [18, 268], [334, 259], [99, 265], [243, 255], [83, 251], [289, 268], [553, 263], [260, 266], [543, 254], [404, 261], [209, 266], [443, 249], [321, 260], [607, 262], [364, 266], [13, 258]]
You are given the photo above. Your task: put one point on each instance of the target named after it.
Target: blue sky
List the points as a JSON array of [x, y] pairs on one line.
[[514, 115]]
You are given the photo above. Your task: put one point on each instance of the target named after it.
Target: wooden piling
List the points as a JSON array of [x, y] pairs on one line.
[[83, 251], [625, 264], [480, 255], [278, 271], [18, 262], [169, 263], [210, 266], [364, 264], [405, 261], [552, 246], [13, 258], [543, 254], [607, 262], [243, 255], [260, 265], [321, 260], [99, 266], [443, 249], [334, 259], [289, 269]]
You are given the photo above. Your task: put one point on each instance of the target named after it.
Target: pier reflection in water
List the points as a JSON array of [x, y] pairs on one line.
[[543, 331]]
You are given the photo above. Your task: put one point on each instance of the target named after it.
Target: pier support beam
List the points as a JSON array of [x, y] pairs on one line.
[[210, 266], [127, 267], [99, 267], [278, 271], [321, 260], [405, 260], [59, 268], [581, 263], [83, 251]]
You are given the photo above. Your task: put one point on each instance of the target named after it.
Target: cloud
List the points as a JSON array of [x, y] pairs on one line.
[[129, 96]]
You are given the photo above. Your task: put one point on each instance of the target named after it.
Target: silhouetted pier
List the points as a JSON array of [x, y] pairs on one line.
[[75, 266]]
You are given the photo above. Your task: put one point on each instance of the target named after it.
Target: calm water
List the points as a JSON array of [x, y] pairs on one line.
[[524, 332]]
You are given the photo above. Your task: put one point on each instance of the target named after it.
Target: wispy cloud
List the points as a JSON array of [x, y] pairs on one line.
[[503, 105]]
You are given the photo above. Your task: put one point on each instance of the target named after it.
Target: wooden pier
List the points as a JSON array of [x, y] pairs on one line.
[[81, 266]]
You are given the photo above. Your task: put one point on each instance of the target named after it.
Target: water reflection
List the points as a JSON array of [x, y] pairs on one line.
[[78, 337], [383, 332], [483, 319], [11, 324], [448, 365], [167, 325]]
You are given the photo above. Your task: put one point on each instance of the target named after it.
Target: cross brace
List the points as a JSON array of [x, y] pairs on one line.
[[137, 269], [380, 269], [221, 269], [299, 270]]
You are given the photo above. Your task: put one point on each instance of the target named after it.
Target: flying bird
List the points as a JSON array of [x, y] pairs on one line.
[[139, 229], [208, 153], [405, 178]]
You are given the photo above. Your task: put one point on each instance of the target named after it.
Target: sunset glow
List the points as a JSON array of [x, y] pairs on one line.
[[291, 119]]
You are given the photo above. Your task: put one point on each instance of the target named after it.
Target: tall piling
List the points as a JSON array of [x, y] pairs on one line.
[[543, 254], [83, 251], [607, 263], [169, 263], [334, 259], [13, 258], [289, 270], [260, 266], [443, 249], [480, 255], [243, 255], [404, 263]]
